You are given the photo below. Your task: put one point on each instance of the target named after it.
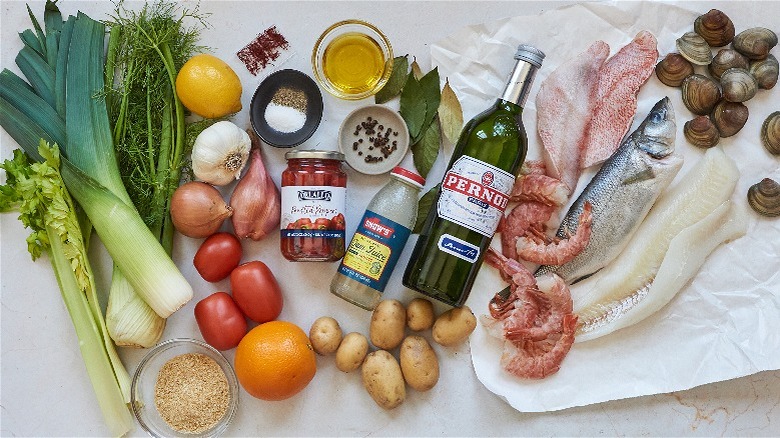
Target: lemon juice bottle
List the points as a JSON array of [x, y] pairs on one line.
[[379, 240]]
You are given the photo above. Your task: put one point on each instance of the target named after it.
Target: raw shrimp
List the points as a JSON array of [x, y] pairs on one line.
[[539, 188], [522, 218], [538, 359], [539, 311], [538, 248], [514, 273]]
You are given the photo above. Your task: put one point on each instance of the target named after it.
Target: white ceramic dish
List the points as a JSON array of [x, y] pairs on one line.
[[358, 156]]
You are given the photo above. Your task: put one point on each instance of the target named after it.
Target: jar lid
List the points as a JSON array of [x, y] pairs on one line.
[[409, 176], [316, 154]]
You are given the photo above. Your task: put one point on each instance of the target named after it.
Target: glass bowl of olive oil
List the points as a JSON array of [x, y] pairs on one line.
[[352, 59]]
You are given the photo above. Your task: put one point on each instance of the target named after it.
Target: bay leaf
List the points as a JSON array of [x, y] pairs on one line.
[[429, 87], [425, 151], [450, 113], [396, 81], [413, 107], [416, 70], [423, 207]]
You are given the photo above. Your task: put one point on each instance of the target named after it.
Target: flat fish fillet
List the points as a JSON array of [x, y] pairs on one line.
[[616, 97], [565, 105]]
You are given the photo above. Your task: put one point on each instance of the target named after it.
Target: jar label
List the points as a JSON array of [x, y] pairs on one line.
[[474, 194], [313, 211], [374, 250]]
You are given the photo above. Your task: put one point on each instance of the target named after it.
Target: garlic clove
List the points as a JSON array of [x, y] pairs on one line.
[[220, 153]]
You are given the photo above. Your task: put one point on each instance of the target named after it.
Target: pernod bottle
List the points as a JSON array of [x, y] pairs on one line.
[[474, 193]]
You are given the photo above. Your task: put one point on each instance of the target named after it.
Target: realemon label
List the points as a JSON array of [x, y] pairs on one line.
[[459, 248]]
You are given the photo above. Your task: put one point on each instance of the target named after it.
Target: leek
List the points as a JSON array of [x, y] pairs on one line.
[[38, 192], [92, 176]]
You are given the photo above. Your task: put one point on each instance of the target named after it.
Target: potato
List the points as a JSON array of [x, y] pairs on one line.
[[325, 335], [454, 326], [351, 352], [419, 364], [383, 379], [388, 323], [419, 314]]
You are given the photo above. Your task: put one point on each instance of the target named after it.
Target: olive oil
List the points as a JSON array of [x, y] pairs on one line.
[[353, 63]]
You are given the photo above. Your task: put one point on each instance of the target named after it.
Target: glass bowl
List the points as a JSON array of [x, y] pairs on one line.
[[352, 59], [145, 378]]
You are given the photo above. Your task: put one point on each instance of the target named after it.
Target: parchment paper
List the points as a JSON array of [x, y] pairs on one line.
[[726, 322]]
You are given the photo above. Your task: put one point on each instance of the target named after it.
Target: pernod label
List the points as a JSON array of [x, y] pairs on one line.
[[459, 248], [474, 195]]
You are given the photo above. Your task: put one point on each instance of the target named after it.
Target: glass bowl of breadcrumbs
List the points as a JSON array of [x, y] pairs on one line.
[[184, 388]]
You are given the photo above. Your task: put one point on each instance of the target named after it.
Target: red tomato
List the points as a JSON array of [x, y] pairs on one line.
[[217, 256], [220, 321], [256, 291]]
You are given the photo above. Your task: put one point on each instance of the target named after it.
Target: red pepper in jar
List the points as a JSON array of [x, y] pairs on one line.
[[313, 198]]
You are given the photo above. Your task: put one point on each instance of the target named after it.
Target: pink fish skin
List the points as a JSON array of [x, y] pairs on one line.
[[565, 104], [616, 99]]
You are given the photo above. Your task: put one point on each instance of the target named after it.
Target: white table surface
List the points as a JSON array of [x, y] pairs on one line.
[[44, 390]]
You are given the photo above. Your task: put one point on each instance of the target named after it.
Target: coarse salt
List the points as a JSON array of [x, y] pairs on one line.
[[283, 118]]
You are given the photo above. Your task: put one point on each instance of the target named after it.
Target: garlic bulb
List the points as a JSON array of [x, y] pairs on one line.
[[220, 153]]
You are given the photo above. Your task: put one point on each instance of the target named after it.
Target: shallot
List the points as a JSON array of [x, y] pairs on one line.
[[198, 210], [255, 201]]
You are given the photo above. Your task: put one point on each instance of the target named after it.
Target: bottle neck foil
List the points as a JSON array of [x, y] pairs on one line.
[[520, 82]]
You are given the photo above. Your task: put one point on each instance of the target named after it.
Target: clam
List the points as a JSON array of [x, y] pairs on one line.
[[715, 27], [770, 133], [764, 197], [726, 59], [729, 117], [755, 43], [738, 85], [701, 132], [700, 94], [765, 71], [694, 48], [673, 69]]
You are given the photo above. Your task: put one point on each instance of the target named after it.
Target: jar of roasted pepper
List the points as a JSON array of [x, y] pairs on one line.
[[314, 188]]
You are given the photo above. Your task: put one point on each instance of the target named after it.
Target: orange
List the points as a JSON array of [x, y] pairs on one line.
[[275, 361]]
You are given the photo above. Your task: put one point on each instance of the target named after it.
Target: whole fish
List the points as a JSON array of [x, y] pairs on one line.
[[622, 192]]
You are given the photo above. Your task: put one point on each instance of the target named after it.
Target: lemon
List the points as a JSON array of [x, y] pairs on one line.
[[208, 87]]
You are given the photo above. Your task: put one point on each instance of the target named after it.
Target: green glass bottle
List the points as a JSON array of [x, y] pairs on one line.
[[474, 192]]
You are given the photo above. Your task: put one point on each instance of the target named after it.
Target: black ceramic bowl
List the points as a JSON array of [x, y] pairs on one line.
[[265, 92]]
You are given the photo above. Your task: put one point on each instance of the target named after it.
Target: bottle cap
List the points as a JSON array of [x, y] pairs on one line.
[[530, 54], [408, 175]]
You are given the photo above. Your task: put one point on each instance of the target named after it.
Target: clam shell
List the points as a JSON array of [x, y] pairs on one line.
[[770, 133], [701, 132], [694, 48], [715, 27], [764, 197], [755, 43], [726, 59], [729, 117], [673, 69], [765, 71], [700, 94], [738, 85]]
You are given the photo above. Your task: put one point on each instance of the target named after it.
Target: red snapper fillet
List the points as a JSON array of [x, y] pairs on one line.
[[616, 97], [565, 105]]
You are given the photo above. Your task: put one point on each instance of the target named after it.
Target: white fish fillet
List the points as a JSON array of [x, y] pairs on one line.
[[564, 106], [701, 191], [687, 253]]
